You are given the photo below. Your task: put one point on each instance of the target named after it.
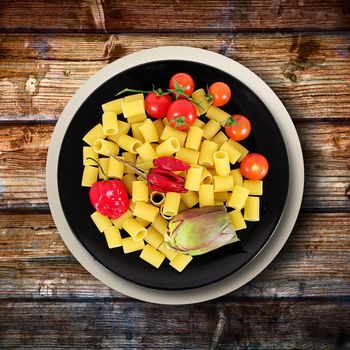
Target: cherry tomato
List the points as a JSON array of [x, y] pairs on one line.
[[254, 166], [237, 127], [181, 114], [157, 106], [220, 92], [184, 84]]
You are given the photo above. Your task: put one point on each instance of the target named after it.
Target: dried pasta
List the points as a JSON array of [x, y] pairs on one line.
[[109, 123], [152, 256]]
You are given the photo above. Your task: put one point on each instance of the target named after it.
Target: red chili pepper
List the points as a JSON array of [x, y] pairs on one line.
[[164, 181], [109, 197], [172, 164]]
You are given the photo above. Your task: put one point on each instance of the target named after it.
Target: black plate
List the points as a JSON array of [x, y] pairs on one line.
[[205, 269]]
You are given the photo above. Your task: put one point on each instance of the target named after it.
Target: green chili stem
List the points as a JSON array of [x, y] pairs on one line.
[[105, 177]]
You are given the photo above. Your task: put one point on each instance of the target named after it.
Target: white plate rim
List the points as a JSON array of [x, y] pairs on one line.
[[288, 216]]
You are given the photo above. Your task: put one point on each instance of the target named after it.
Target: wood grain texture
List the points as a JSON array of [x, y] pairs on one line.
[[40, 73], [35, 264], [234, 325], [24, 148], [176, 16]]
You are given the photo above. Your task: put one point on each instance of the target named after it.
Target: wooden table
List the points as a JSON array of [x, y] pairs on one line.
[[49, 48]]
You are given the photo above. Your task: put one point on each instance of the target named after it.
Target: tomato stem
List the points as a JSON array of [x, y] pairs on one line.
[[105, 177], [180, 121], [133, 90], [231, 121]]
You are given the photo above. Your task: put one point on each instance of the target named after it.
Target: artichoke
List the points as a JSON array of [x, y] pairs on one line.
[[200, 230]]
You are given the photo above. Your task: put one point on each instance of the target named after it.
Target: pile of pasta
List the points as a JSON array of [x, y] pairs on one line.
[[212, 179]]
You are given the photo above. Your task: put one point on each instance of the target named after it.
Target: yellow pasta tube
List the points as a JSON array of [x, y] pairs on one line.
[[143, 222], [139, 191], [143, 164], [134, 97], [233, 154], [217, 114], [237, 177], [133, 108], [211, 129], [152, 256], [238, 197], [220, 196], [157, 198], [169, 253], [220, 138], [189, 156], [119, 221], [109, 123], [207, 177], [165, 216], [171, 204], [146, 211], [223, 183], [237, 220], [206, 153], [168, 147], [114, 106], [201, 102], [255, 187], [193, 178], [206, 195], [115, 168], [251, 209], [123, 129], [102, 222], [159, 126], [106, 148], [221, 163], [136, 133], [90, 175], [180, 261], [241, 149], [129, 143], [149, 131], [146, 152], [199, 123], [95, 133], [130, 246], [160, 224], [88, 152], [182, 207], [170, 132], [104, 165], [165, 121], [131, 158], [190, 198], [153, 237], [113, 237], [194, 138], [128, 179], [134, 229]]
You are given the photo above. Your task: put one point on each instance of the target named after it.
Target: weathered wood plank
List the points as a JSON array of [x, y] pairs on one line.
[[40, 73], [178, 16], [36, 264], [235, 325], [24, 148]]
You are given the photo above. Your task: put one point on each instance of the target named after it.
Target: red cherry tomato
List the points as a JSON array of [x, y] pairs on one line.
[[157, 106], [181, 114], [254, 166], [237, 127], [185, 84], [220, 92]]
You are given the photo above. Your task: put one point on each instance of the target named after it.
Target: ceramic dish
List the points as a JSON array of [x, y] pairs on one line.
[[273, 135]]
